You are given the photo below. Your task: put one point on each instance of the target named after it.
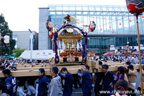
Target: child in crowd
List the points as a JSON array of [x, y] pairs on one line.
[[121, 88]]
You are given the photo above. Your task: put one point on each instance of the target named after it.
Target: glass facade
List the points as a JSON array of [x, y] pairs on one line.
[[102, 44], [114, 24]]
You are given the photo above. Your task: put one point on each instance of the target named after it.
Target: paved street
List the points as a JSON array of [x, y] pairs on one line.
[[78, 92]]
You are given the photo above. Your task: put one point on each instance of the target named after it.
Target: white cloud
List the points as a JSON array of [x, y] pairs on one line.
[[24, 14]]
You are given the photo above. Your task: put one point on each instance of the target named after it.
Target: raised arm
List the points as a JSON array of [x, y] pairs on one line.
[[62, 75], [80, 74]]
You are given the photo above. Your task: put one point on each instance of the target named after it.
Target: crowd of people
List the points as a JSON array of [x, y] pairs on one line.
[[131, 59], [46, 86], [61, 82]]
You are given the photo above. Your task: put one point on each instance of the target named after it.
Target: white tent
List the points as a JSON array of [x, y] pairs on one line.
[[38, 54]]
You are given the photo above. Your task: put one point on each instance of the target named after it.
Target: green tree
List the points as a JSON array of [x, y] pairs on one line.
[[4, 30], [18, 51]]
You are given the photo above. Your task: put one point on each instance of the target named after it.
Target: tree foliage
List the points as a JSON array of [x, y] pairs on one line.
[[4, 29], [18, 51]]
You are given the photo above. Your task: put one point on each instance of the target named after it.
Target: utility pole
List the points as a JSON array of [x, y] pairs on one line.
[[31, 38]]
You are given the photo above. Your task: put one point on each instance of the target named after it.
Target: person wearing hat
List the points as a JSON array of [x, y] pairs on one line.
[[105, 82]]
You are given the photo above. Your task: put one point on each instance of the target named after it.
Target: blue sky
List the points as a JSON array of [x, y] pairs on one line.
[[24, 14]]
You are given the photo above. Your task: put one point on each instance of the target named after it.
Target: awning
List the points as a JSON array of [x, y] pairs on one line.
[[105, 54], [38, 54], [134, 53]]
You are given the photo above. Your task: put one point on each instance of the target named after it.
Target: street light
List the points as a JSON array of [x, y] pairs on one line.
[[31, 38], [127, 43]]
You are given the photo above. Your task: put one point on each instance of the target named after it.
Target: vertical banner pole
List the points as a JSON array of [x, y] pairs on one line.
[[139, 55]]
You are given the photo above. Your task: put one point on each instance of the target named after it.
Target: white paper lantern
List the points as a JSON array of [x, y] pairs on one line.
[[6, 39]]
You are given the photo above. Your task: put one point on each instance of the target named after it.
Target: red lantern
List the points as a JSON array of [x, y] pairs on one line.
[[49, 25], [109, 26], [50, 34], [135, 6], [6, 46], [120, 23], [130, 20], [92, 26], [142, 16]]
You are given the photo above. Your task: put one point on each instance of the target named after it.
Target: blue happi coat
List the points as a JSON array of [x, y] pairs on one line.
[[105, 80], [43, 82], [10, 83], [68, 83], [86, 82]]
